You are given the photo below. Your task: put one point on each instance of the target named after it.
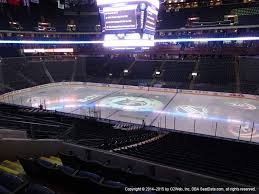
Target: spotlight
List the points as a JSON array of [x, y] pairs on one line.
[[194, 74], [158, 72]]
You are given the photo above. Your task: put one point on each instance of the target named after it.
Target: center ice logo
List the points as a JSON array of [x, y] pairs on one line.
[[243, 106], [131, 103]]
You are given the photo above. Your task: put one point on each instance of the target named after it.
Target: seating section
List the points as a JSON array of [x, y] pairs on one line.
[[79, 176], [94, 67], [177, 73], [179, 18], [117, 65], [249, 75], [34, 71], [80, 73], [41, 124], [105, 136], [246, 11], [13, 168], [47, 12], [4, 21], [216, 70], [247, 15], [112, 173], [224, 159], [68, 173], [12, 75], [34, 121], [62, 71], [214, 73], [101, 69], [144, 69], [10, 183], [217, 73]]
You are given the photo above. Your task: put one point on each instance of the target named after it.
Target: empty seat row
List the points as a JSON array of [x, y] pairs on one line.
[[115, 173], [86, 179], [10, 183], [219, 158]]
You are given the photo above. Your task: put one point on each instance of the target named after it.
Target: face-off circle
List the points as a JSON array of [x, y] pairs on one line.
[[243, 106], [131, 103], [245, 131]]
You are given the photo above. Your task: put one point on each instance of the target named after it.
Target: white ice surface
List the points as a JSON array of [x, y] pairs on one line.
[[223, 116]]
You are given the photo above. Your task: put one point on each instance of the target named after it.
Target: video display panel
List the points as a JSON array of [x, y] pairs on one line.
[[151, 19], [104, 3], [120, 18], [128, 23]]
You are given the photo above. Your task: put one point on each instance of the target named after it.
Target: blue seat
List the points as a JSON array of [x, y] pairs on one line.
[[10, 182], [112, 173], [29, 166], [90, 175], [91, 165], [3, 190], [35, 188], [114, 184], [84, 184], [45, 163], [69, 160], [112, 187], [67, 169]]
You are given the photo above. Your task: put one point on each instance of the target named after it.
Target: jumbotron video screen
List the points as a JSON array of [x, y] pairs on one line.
[[128, 24], [120, 18]]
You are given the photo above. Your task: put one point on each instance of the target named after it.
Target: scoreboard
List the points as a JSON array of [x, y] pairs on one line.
[[121, 18], [128, 23], [151, 18]]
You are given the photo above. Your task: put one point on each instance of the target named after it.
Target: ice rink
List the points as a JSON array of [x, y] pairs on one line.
[[213, 115]]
